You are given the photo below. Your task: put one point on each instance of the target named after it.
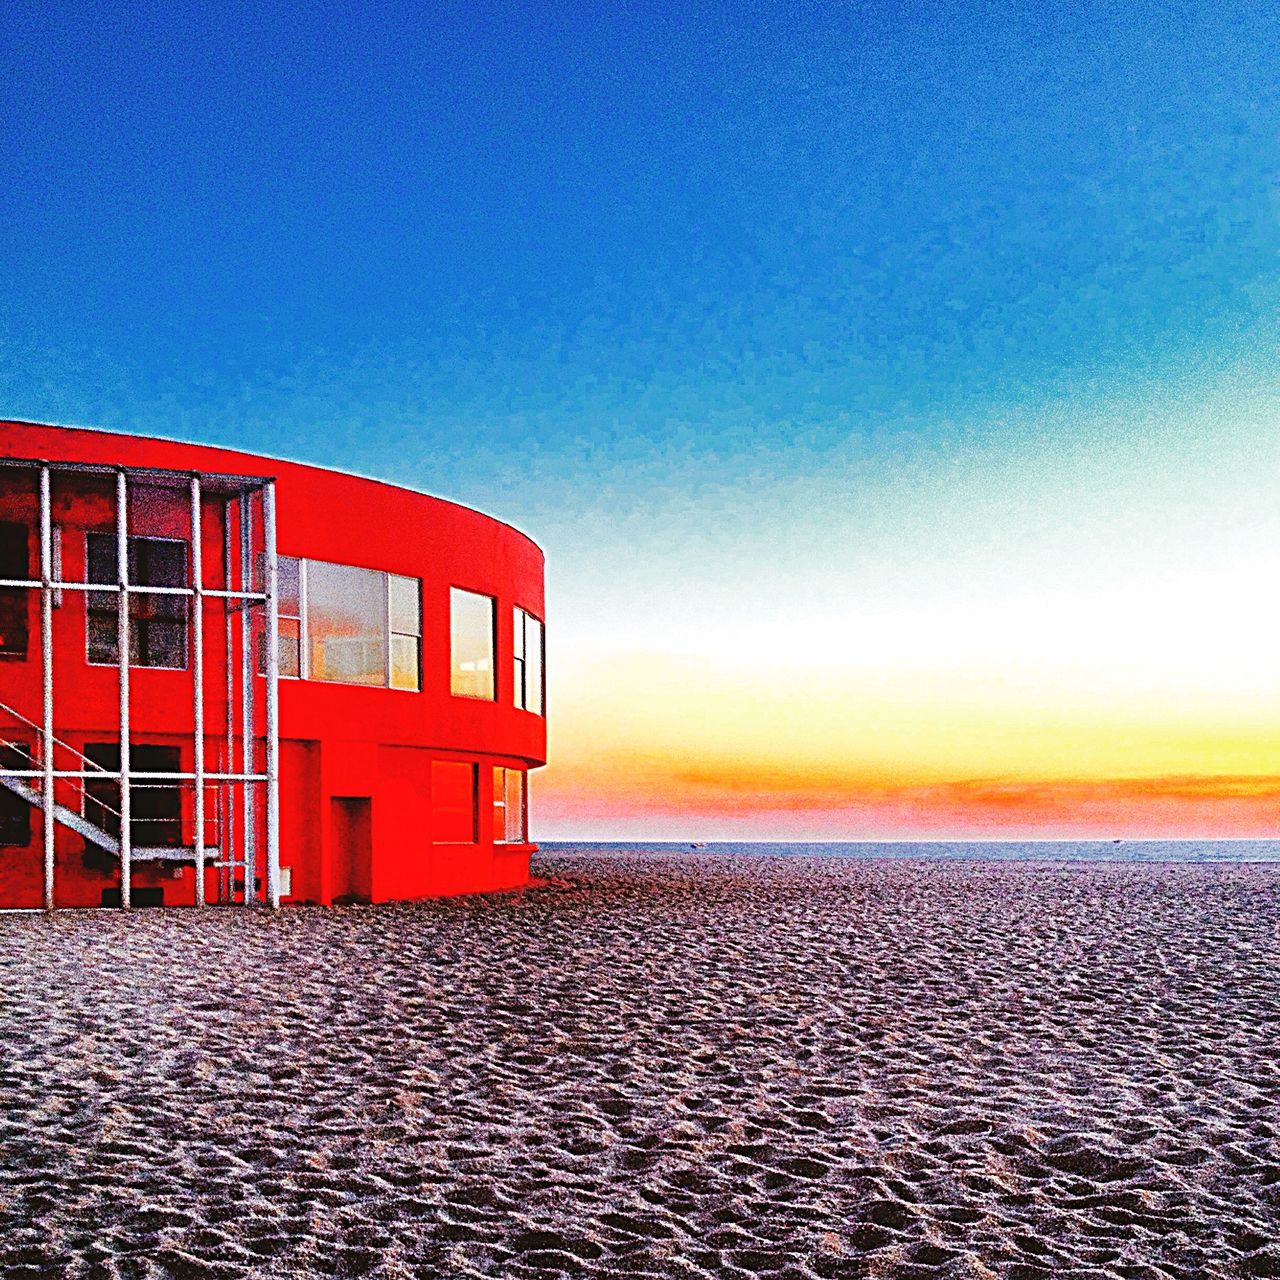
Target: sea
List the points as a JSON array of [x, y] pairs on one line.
[[949, 850]]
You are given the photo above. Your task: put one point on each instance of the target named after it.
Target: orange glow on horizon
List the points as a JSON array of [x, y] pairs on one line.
[[899, 756]]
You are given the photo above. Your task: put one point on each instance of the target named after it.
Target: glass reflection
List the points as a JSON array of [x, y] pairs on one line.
[[346, 624], [471, 644]]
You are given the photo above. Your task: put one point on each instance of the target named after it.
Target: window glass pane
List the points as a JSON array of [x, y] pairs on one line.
[[499, 805], [533, 667], [14, 563], [404, 605], [405, 662], [515, 806], [471, 643], [158, 562], [15, 633], [102, 637], [100, 566], [517, 640], [453, 802], [288, 590], [290, 647], [346, 624], [101, 557], [14, 556], [155, 808], [157, 623], [15, 812], [154, 642]]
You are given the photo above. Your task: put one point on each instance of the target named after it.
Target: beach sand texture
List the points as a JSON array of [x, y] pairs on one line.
[[676, 1066]]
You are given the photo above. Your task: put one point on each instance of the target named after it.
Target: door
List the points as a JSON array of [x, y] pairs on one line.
[[351, 843]]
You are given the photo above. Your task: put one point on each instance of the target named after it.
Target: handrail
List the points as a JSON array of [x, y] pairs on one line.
[[57, 742], [101, 804], [16, 746]]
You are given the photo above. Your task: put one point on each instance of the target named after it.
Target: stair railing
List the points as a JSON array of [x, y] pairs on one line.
[[213, 812]]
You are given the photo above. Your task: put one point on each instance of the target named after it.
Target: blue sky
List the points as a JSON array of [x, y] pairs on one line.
[[796, 312]]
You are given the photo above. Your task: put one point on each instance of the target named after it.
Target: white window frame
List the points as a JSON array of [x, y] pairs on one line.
[[111, 586], [501, 803], [520, 692], [304, 629], [403, 635], [493, 643]]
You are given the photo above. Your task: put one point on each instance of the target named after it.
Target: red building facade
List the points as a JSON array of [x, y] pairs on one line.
[[334, 688]]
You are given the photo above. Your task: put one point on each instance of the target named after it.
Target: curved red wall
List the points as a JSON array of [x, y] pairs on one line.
[[337, 741]]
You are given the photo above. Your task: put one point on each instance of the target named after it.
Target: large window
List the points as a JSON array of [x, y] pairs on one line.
[[15, 812], [348, 625], [527, 646], [471, 619], [15, 563], [157, 621], [510, 807], [453, 802], [155, 808]]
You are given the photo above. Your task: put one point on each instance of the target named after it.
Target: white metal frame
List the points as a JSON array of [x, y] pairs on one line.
[[241, 495]]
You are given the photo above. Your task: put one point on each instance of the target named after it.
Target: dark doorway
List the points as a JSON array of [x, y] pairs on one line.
[[351, 842], [155, 807]]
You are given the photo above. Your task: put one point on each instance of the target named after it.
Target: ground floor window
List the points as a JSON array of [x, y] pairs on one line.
[[155, 807], [510, 806], [15, 812], [453, 802]]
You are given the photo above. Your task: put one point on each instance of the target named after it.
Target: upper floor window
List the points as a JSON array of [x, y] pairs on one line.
[[157, 620], [471, 618], [346, 623], [15, 563], [528, 650], [404, 614], [289, 614], [349, 625]]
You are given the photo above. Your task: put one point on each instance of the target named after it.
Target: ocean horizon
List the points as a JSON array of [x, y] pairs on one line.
[[949, 850]]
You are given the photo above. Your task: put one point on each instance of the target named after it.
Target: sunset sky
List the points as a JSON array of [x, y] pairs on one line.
[[895, 391]]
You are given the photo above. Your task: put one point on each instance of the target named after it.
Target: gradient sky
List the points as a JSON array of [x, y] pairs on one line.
[[893, 388]]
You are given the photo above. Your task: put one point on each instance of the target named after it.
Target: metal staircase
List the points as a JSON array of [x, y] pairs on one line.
[[22, 783]]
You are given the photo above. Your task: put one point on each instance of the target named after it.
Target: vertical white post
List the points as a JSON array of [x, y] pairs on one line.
[[272, 664], [226, 878], [46, 659], [197, 664], [122, 646], [247, 664]]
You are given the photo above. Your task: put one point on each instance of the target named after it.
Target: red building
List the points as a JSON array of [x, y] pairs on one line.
[[333, 688]]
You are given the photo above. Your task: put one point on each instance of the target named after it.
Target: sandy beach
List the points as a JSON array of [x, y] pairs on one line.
[[670, 1066]]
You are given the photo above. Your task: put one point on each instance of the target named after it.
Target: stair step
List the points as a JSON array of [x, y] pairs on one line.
[[172, 853]]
